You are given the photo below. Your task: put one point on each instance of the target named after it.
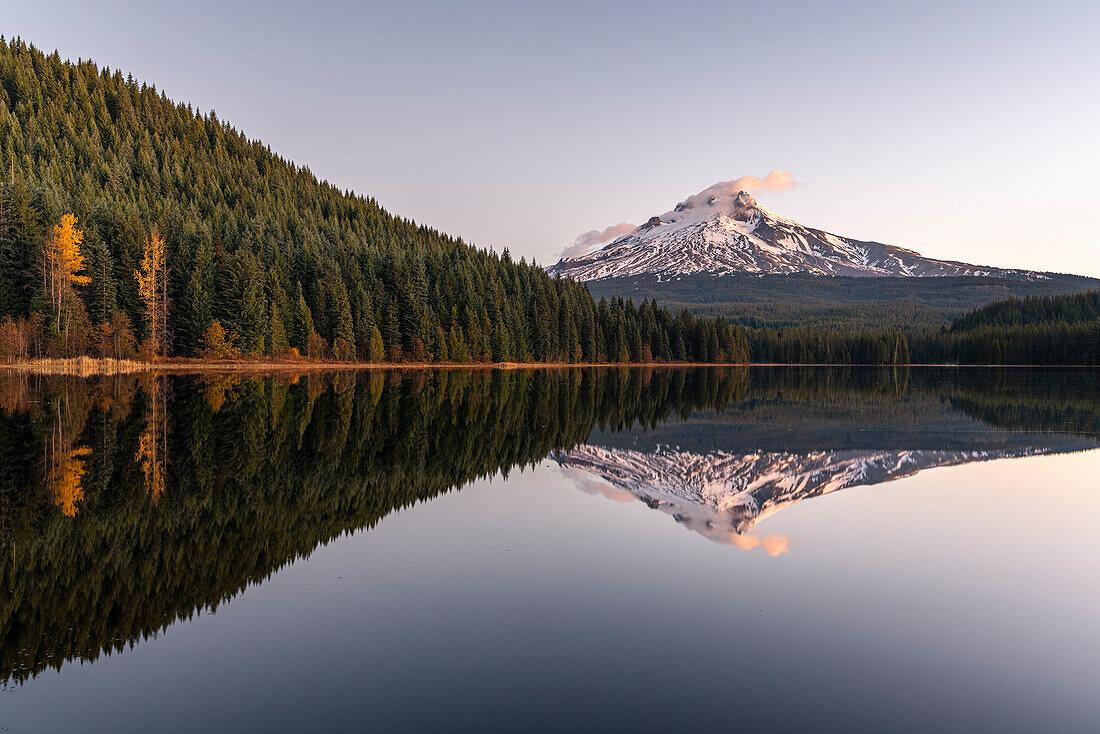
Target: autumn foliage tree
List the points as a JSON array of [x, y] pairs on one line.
[[62, 264], [152, 280], [219, 344]]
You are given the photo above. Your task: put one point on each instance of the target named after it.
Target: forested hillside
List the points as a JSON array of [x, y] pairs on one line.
[[814, 319], [1039, 330], [1048, 330], [131, 223], [843, 303]]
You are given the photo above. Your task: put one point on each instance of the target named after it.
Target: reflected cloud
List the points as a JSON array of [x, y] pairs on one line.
[[773, 545]]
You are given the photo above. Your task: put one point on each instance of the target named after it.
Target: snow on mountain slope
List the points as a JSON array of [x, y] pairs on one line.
[[723, 495], [719, 233]]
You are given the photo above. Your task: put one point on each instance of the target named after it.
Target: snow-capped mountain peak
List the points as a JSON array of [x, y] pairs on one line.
[[744, 205], [718, 231]]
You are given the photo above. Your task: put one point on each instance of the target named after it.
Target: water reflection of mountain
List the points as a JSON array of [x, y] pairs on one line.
[[721, 473], [127, 504]]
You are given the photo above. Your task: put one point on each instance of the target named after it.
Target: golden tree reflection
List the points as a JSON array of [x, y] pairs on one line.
[[152, 450], [218, 389], [63, 459], [66, 481]]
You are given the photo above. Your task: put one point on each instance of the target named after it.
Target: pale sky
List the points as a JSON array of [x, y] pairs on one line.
[[962, 130]]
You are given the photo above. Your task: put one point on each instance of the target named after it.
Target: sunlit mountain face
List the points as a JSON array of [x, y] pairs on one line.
[[725, 232], [127, 504]]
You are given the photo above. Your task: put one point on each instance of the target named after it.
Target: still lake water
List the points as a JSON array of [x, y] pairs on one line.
[[772, 549]]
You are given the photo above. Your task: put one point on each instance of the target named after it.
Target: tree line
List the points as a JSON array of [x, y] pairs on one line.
[[131, 225], [1036, 330], [817, 345]]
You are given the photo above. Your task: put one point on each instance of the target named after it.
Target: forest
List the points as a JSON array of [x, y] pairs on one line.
[[132, 226], [1034, 330], [836, 302]]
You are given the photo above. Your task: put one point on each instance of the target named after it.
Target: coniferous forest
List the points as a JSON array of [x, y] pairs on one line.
[[1035, 330], [132, 225]]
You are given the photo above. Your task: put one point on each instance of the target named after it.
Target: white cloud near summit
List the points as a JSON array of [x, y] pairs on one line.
[[775, 181], [593, 239]]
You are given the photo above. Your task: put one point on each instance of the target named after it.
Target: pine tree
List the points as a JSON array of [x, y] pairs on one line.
[[277, 340], [252, 312], [303, 324], [377, 350], [194, 314], [102, 295]]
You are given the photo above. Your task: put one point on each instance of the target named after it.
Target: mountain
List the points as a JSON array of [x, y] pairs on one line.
[[280, 260], [715, 232]]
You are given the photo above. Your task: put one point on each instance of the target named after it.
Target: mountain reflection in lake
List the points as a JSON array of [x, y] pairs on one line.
[[134, 508]]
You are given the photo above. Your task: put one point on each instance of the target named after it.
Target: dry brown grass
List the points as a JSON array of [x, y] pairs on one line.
[[88, 366], [80, 366]]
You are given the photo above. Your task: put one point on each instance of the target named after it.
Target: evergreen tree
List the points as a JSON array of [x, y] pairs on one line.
[[251, 322], [303, 324], [277, 338]]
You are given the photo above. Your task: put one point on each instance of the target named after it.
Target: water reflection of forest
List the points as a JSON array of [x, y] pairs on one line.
[[129, 502]]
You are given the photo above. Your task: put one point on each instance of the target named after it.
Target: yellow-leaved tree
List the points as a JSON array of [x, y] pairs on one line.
[[152, 281], [66, 481], [62, 263], [152, 451]]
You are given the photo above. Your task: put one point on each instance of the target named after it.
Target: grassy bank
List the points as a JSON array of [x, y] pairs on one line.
[[87, 366]]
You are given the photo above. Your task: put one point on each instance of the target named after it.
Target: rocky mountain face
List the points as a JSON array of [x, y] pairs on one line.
[[734, 234]]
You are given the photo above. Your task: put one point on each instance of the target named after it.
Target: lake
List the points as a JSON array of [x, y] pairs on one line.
[[645, 549]]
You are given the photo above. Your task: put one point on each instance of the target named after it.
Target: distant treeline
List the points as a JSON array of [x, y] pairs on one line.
[[839, 303], [1036, 330], [809, 345], [812, 319], [133, 225]]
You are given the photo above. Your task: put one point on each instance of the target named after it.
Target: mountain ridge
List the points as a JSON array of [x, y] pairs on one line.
[[723, 232]]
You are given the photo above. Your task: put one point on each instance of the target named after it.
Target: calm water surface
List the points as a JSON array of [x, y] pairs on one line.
[[774, 549]]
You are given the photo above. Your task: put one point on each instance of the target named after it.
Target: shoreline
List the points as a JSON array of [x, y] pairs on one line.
[[89, 366]]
